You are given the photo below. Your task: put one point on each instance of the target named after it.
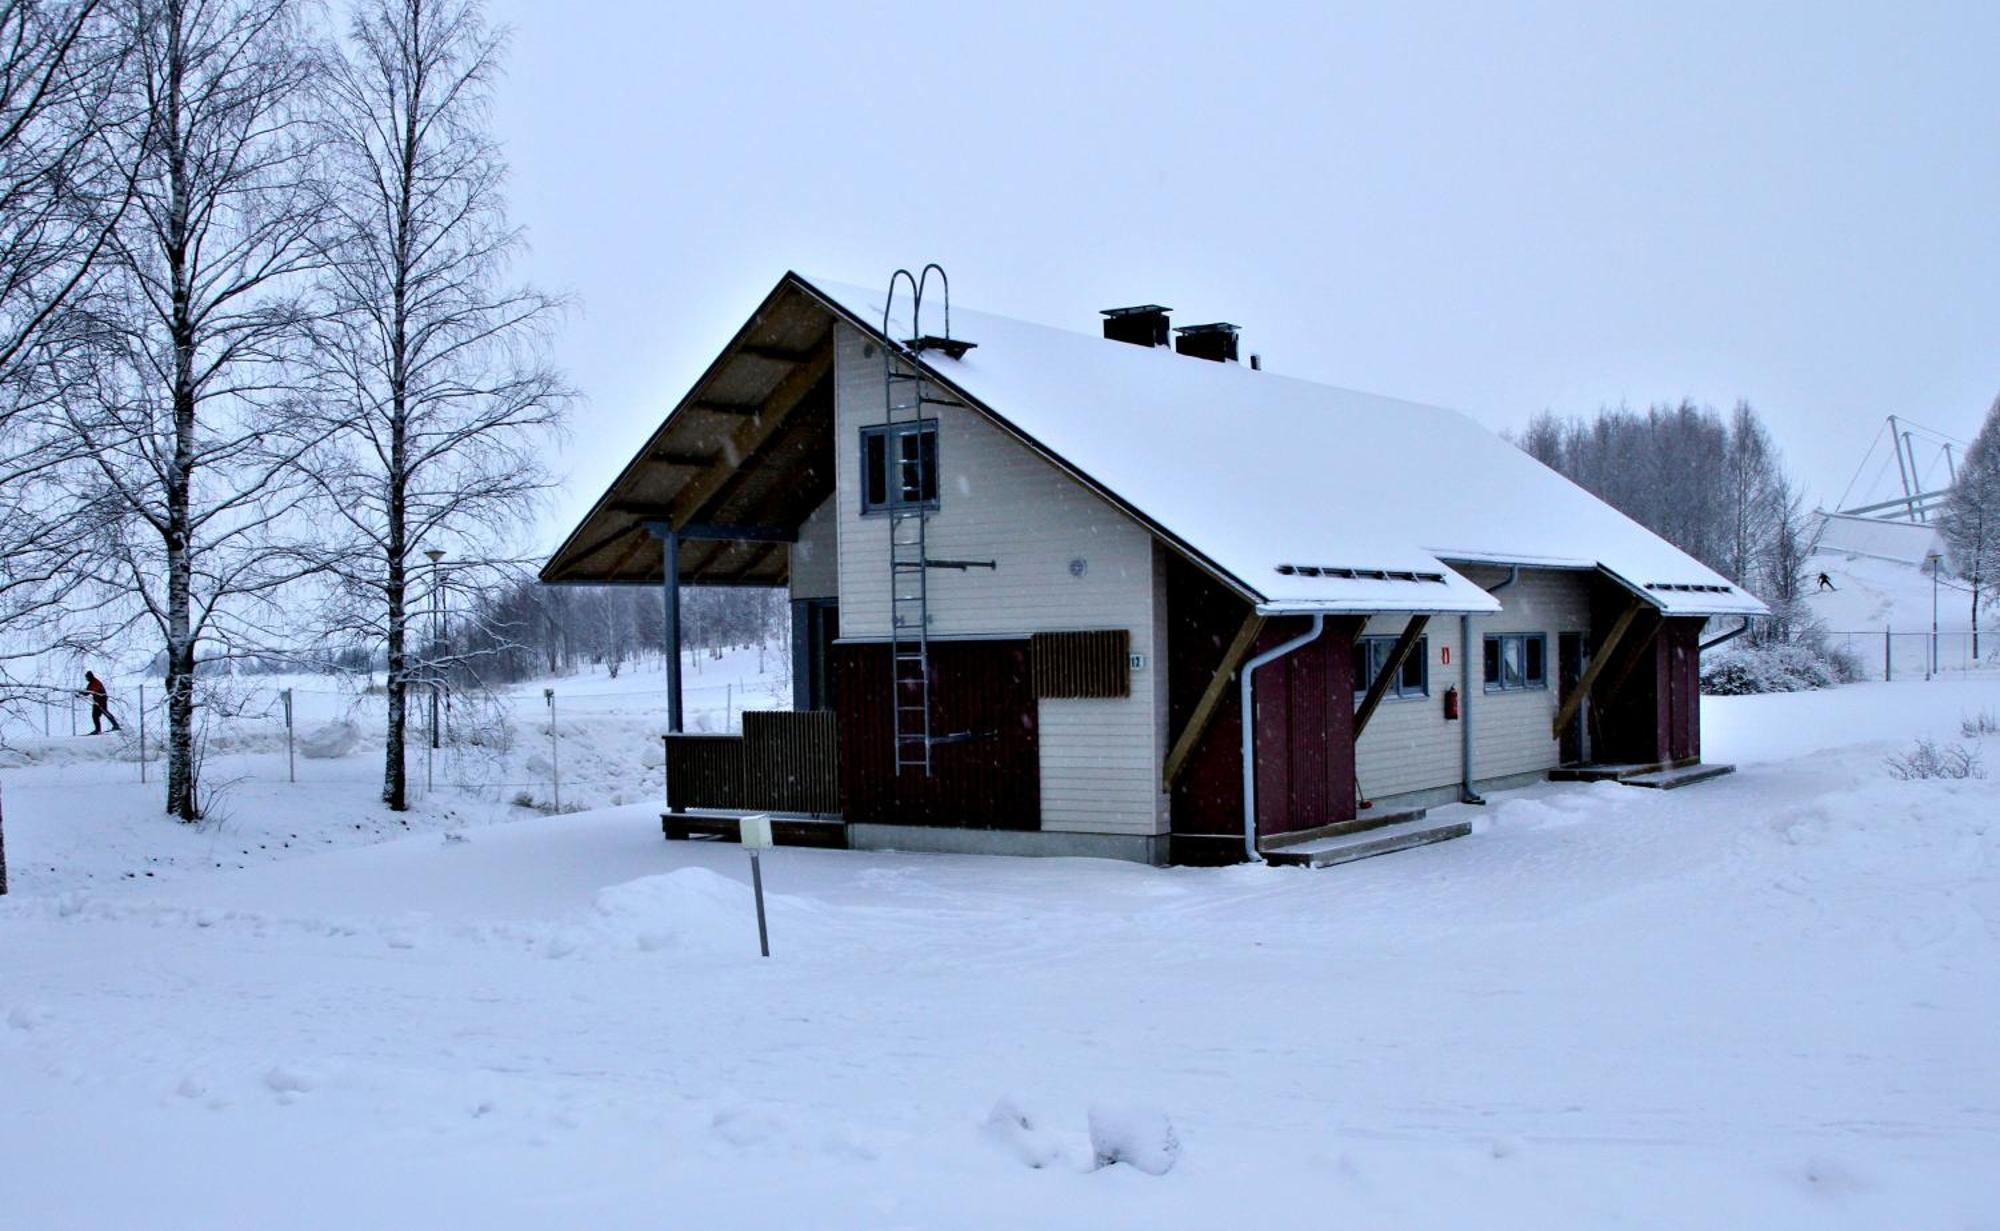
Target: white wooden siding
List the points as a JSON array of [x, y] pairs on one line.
[[1410, 747], [999, 501], [815, 558]]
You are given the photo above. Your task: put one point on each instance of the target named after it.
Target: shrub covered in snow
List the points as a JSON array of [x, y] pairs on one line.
[[1929, 759], [1776, 666], [1985, 722]]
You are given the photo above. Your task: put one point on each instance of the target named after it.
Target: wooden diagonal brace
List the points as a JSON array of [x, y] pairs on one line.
[[1640, 642], [1598, 661], [1379, 686], [1211, 698]]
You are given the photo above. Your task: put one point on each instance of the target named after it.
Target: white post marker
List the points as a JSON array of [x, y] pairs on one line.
[[555, 753], [755, 834]]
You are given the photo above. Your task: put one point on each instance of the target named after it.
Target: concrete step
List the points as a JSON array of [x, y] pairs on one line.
[[1326, 852], [1669, 779], [1360, 824]]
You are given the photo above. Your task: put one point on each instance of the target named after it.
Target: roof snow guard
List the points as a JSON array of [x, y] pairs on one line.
[[1372, 574], [1690, 587]]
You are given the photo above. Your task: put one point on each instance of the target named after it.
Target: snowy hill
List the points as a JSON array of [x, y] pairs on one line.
[[1873, 596]]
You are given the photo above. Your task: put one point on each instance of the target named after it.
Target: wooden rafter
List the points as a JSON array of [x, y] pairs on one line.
[[1379, 686], [759, 555], [776, 354], [1598, 661], [693, 501], [1211, 697], [625, 557]]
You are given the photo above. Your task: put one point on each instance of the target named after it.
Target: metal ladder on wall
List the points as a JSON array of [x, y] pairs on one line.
[[905, 462]]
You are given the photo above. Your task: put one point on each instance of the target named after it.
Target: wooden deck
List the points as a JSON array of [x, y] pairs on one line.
[[1659, 775], [1346, 848]]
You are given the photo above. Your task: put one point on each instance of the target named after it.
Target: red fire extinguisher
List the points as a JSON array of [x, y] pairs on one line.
[[1451, 704]]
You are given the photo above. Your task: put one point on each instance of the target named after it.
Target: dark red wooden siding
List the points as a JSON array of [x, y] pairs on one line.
[[991, 780], [1305, 723], [1305, 730], [1655, 715], [1680, 643]]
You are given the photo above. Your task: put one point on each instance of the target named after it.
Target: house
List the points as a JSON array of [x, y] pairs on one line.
[[1040, 577]]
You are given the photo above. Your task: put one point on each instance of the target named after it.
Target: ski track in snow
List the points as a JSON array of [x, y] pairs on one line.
[[1767, 1000]]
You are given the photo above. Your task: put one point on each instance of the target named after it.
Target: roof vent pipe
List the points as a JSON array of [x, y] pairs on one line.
[[1142, 325], [1256, 362], [1248, 679], [1216, 341]]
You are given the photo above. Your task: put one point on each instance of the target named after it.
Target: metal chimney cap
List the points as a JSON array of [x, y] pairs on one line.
[[1211, 327], [1144, 309]]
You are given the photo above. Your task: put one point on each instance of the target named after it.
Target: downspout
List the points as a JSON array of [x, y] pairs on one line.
[[1728, 636], [1465, 792], [1250, 729]]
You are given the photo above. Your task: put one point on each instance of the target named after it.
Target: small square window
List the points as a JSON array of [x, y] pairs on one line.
[[899, 466], [1371, 654], [1516, 661]]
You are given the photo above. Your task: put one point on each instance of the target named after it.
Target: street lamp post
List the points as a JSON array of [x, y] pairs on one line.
[[437, 636]]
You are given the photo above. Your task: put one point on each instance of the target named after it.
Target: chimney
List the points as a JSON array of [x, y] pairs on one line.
[[1144, 325], [1216, 341]]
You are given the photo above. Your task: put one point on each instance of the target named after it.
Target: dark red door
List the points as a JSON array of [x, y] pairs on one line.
[[986, 761]]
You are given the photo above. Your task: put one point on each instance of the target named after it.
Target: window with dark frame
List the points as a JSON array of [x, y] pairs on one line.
[[1517, 662], [1371, 654], [899, 466]]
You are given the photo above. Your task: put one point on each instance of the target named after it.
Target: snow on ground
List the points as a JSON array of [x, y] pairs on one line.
[[501, 767], [1766, 1001]]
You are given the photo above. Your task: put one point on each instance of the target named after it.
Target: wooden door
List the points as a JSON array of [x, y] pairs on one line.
[[1569, 673]]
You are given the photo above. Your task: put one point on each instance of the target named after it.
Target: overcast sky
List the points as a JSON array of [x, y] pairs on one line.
[[1496, 208]]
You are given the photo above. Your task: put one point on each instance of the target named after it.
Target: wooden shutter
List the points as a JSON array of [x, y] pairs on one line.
[[1084, 664]]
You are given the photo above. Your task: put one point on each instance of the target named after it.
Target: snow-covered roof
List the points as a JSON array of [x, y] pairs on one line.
[[1903, 541], [1313, 498]]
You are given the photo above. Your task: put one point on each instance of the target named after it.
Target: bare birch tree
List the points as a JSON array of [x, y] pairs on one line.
[[58, 202], [1971, 521], [438, 385], [187, 405]]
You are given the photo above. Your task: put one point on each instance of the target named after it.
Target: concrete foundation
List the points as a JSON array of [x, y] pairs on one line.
[[866, 836]]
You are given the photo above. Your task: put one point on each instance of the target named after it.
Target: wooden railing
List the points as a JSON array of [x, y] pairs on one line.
[[783, 762]]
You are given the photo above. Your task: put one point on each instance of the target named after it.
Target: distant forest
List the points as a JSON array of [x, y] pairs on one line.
[[1713, 485]]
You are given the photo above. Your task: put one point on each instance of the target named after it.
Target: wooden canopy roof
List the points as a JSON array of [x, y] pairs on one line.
[[748, 450]]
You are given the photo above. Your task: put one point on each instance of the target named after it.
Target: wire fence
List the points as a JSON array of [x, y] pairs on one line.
[[545, 747], [1892, 654]]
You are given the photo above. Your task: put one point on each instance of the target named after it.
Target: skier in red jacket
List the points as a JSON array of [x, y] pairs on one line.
[[100, 705]]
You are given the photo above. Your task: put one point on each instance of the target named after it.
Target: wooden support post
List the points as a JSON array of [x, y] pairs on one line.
[[1211, 698], [1379, 686], [670, 561], [1598, 661]]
